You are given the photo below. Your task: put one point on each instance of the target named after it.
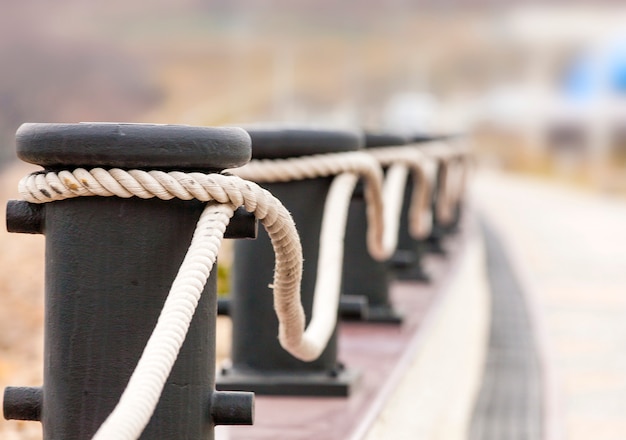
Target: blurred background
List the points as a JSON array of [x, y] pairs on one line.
[[539, 88]]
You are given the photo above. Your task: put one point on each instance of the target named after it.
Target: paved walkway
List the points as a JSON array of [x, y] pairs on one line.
[[570, 249]]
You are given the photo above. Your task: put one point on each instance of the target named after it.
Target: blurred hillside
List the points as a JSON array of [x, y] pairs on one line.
[[227, 62], [512, 76]]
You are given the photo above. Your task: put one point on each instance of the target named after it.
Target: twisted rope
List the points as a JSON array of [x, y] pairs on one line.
[[225, 194], [402, 160], [330, 260], [383, 207], [380, 239]]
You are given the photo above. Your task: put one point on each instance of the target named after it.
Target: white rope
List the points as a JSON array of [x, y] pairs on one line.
[[383, 207], [383, 202], [423, 172], [225, 193], [330, 262], [381, 239], [452, 161], [347, 168], [325, 165]]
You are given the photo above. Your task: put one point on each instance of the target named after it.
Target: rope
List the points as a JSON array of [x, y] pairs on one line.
[[325, 165], [410, 159], [383, 207], [381, 243], [328, 277], [225, 193], [452, 179], [381, 240]]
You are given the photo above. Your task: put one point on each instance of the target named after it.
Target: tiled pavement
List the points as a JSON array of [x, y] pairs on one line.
[[569, 248]]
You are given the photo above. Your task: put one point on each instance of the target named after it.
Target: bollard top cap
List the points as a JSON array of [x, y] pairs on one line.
[[427, 137], [143, 146], [375, 140], [271, 142]]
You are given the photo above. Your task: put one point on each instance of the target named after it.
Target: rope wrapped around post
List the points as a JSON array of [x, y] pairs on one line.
[[380, 239], [383, 207], [223, 194]]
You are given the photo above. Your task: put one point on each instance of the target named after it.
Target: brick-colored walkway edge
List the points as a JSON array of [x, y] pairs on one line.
[[382, 353], [510, 402]]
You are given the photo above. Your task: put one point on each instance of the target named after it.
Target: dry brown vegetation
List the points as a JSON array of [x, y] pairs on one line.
[[21, 308]]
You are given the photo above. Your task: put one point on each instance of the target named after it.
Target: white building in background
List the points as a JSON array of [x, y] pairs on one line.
[[411, 113], [572, 98]]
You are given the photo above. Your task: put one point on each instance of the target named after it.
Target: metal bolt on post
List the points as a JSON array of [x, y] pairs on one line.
[[365, 281], [259, 363], [110, 263]]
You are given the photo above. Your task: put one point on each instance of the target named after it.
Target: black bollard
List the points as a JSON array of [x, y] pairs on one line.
[[365, 281], [434, 243], [407, 261], [452, 226], [259, 363], [110, 263]]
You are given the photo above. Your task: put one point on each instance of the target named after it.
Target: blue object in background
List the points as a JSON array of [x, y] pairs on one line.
[[596, 72]]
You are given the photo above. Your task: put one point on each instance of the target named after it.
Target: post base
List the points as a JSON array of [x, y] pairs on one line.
[[406, 265], [356, 308], [415, 273], [434, 245], [384, 314], [328, 384]]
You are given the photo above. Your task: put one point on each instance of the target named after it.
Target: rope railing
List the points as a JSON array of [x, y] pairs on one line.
[[383, 207], [346, 168], [383, 196], [239, 187]]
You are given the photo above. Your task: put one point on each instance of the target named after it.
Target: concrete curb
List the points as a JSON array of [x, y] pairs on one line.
[[435, 387], [553, 421]]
